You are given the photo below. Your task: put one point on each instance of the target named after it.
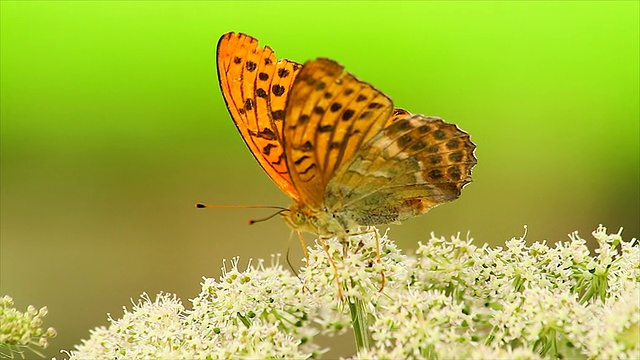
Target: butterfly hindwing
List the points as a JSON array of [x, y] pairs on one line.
[[329, 115], [397, 114], [412, 165], [255, 86]]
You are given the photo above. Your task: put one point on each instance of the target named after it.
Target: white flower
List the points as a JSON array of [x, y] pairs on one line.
[[612, 331], [450, 300]]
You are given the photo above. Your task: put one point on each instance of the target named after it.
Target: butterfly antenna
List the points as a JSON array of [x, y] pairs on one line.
[[251, 222], [208, 206]]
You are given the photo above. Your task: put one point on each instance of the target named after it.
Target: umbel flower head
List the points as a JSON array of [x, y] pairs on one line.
[[451, 299], [20, 331]]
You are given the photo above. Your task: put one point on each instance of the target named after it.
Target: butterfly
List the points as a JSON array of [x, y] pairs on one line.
[[335, 144]]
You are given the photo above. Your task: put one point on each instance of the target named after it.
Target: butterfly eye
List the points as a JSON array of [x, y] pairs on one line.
[[299, 218]]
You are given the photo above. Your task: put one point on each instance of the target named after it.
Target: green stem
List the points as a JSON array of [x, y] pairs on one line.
[[359, 323]]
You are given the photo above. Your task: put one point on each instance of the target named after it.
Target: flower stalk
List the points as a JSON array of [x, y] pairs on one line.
[[359, 323]]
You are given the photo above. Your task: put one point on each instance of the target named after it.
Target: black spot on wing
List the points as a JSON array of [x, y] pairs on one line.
[[277, 115], [280, 160], [454, 172], [267, 134], [248, 104], [452, 144], [302, 158], [283, 73], [347, 114], [365, 115], [267, 149], [418, 145], [307, 146], [435, 174], [305, 171], [325, 128], [455, 156], [278, 90]]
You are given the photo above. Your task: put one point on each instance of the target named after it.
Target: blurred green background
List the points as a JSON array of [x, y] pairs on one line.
[[113, 126]]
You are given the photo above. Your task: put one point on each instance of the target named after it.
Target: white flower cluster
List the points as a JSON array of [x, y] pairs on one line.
[[451, 299], [22, 330], [260, 312], [457, 300]]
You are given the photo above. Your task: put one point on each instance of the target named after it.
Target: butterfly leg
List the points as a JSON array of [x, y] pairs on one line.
[[333, 264], [304, 246], [383, 279], [306, 254], [343, 241]]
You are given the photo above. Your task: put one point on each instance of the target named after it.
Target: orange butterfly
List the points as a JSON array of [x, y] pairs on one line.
[[335, 144]]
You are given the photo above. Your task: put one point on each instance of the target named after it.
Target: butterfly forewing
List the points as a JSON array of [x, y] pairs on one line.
[[255, 86], [329, 115]]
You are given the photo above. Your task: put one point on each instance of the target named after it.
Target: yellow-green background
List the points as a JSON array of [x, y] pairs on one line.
[[113, 126]]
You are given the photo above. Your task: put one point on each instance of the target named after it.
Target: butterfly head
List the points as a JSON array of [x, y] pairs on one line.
[[294, 217], [300, 217]]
